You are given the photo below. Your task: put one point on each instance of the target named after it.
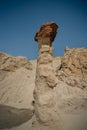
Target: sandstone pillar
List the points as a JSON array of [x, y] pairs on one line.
[[44, 94]]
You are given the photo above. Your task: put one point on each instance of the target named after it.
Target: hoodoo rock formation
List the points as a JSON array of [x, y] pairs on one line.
[[46, 109]]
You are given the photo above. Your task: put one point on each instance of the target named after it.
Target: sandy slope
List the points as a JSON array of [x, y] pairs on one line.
[[16, 95], [16, 88]]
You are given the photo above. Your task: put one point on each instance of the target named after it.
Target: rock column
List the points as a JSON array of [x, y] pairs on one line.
[[44, 94]]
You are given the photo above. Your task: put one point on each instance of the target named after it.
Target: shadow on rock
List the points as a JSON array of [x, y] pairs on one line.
[[11, 116]]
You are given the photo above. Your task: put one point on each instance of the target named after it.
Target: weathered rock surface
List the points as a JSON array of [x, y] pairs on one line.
[[73, 69], [46, 34], [74, 62], [9, 63]]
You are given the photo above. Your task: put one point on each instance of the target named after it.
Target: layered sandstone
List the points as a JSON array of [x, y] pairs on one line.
[[46, 109]]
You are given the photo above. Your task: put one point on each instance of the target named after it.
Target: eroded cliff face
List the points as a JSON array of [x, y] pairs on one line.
[[9, 63], [74, 62], [73, 69]]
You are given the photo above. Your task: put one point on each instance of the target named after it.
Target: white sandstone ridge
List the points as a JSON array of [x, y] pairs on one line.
[[9, 63], [73, 69]]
